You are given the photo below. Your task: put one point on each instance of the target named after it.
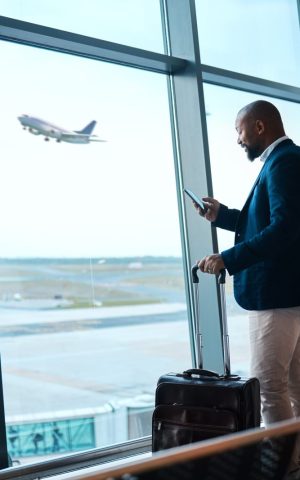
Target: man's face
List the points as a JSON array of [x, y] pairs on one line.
[[248, 136]]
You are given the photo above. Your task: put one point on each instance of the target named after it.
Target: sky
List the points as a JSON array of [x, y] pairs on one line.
[[119, 198], [116, 198], [133, 22], [257, 37]]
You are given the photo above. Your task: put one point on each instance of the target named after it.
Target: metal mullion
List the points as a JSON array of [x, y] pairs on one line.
[[298, 8], [247, 83], [30, 34], [192, 168]]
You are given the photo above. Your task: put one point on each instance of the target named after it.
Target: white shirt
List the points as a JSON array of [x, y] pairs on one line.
[[271, 147]]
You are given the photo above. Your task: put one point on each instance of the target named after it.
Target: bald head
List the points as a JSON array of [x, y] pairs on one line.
[[264, 111], [258, 125]]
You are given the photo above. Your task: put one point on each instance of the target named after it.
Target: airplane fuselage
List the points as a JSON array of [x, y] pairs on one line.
[[37, 126]]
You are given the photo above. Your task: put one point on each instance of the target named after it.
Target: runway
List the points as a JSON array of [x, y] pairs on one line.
[[89, 365], [20, 322]]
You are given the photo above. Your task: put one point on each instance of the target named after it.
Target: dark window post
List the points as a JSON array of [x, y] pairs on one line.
[[3, 443]]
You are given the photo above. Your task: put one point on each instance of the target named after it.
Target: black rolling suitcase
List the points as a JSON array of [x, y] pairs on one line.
[[199, 404]]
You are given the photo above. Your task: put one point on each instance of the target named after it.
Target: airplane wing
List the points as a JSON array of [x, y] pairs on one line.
[[80, 136], [93, 139]]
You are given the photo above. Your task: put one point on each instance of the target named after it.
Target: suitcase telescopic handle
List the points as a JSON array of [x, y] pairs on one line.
[[195, 278], [197, 329], [221, 276], [225, 336]]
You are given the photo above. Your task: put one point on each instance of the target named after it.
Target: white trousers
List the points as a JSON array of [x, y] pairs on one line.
[[275, 361]]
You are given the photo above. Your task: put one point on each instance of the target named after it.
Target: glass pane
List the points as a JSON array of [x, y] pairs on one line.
[[92, 300], [259, 38], [233, 175], [134, 22]]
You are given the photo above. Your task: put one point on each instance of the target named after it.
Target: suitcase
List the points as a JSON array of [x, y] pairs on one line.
[[199, 404]]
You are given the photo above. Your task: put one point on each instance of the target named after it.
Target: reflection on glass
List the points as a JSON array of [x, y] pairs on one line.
[[259, 38], [233, 176], [134, 22], [92, 301]]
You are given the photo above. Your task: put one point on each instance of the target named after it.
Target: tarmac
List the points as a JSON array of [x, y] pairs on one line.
[[60, 360]]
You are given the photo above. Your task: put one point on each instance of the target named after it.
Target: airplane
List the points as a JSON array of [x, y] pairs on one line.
[[37, 126]]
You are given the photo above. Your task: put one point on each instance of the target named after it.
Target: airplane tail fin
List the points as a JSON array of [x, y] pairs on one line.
[[88, 129]]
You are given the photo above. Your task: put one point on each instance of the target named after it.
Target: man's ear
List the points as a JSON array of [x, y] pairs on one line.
[[260, 127]]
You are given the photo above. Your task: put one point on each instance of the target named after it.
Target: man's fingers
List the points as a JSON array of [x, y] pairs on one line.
[[211, 264], [204, 265], [201, 264]]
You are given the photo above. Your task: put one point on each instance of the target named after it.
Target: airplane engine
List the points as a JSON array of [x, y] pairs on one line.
[[34, 132], [57, 135]]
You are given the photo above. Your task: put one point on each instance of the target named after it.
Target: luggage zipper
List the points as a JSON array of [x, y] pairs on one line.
[[200, 427]]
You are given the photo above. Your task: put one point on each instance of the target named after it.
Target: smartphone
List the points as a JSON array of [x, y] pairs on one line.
[[196, 199]]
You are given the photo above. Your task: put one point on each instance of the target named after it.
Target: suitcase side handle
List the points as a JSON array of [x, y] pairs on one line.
[[201, 373], [208, 374]]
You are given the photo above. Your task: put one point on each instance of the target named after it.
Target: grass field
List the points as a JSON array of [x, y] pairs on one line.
[[83, 283]]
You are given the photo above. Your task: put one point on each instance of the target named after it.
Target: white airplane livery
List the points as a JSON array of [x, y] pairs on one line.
[[37, 126]]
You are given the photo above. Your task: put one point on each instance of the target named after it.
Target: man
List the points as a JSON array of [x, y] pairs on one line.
[[265, 259]]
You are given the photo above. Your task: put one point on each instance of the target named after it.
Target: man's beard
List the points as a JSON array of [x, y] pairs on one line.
[[252, 153]]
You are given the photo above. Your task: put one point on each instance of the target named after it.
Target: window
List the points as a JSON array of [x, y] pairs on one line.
[[258, 38], [134, 22], [93, 307], [92, 301]]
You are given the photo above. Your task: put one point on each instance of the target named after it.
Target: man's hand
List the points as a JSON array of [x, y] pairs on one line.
[[212, 208], [211, 264]]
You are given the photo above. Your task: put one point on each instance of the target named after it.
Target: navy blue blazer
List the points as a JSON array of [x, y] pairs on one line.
[[265, 259]]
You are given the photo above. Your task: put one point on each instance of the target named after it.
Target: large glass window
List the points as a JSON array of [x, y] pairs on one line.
[[133, 22], [233, 175], [259, 38], [92, 302]]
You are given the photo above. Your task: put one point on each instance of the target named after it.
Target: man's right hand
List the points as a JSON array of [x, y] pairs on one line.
[[212, 211]]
